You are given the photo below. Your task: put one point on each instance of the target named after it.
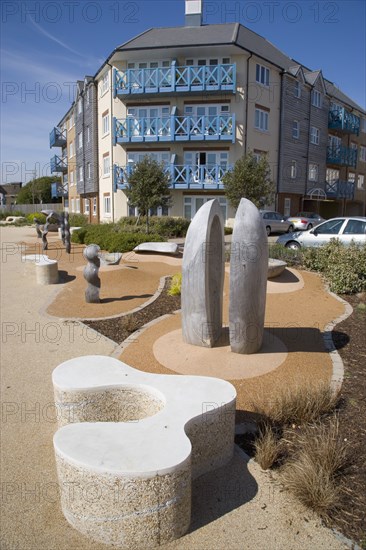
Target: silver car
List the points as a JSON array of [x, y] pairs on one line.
[[345, 229], [275, 222], [305, 220]]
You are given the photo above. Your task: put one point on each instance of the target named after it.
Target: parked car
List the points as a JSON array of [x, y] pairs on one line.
[[345, 229], [305, 220], [275, 222]]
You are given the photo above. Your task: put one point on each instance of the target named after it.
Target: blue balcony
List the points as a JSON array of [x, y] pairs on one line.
[[59, 190], [175, 128], [173, 79], [203, 177], [341, 119], [57, 138], [340, 189], [342, 156], [58, 164]]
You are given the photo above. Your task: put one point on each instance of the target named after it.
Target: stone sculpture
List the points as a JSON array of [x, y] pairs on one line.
[[248, 279], [62, 227], [137, 439], [67, 233], [91, 254], [45, 231], [203, 277], [38, 228]]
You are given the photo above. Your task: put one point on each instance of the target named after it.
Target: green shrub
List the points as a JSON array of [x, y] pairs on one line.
[[40, 217], [175, 285], [228, 230], [5, 213], [78, 220], [165, 225], [112, 237], [288, 255]]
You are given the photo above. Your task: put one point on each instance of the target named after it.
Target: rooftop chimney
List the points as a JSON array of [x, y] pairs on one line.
[[194, 13]]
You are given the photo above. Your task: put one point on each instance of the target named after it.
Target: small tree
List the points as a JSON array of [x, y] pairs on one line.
[[37, 191], [148, 186], [249, 179]]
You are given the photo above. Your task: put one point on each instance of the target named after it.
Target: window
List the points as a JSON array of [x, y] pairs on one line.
[[107, 204], [362, 153], [80, 106], [88, 134], [330, 228], [297, 89], [81, 173], [71, 149], [332, 175], [361, 181], [363, 124], [258, 155], [89, 170], [287, 207], [80, 140], [355, 227], [88, 96], [262, 75], [72, 205], [313, 172], [296, 129], [314, 135], [86, 206], [105, 83], [261, 120], [352, 177], [105, 123], [70, 122], [72, 181], [316, 99], [293, 170], [77, 203], [94, 206], [106, 165]]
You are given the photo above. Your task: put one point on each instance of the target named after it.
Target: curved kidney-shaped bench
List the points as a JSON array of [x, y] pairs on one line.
[[130, 443]]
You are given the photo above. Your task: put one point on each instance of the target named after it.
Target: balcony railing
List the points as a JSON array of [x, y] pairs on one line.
[[175, 128], [59, 190], [57, 138], [208, 176], [340, 189], [342, 155], [341, 119], [58, 164], [188, 78]]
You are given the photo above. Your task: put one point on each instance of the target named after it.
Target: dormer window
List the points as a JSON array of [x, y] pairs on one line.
[[297, 89], [316, 99]]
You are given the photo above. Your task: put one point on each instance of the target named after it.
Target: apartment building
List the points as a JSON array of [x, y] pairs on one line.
[[59, 162], [197, 98]]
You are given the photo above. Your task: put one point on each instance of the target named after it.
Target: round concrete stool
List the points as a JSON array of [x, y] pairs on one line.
[[47, 272]]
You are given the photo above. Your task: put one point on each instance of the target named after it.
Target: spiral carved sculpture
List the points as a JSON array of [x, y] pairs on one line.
[[45, 231], [38, 228], [67, 241], [62, 227], [91, 254]]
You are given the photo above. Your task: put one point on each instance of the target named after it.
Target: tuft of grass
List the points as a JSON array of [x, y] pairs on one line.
[[299, 405], [311, 473], [267, 447], [175, 285]]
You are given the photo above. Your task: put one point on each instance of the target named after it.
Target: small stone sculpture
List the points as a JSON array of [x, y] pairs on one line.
[[62, 227], [91, 254], [67, 241], [45, 231], [38, 228]]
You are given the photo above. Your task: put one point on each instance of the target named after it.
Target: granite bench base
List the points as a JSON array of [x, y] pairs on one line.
[[129, 445]]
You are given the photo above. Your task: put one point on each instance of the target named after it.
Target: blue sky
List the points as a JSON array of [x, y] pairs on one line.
[[47, 45]]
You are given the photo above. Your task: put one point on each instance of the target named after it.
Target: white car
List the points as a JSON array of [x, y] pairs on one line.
[[345, 229]]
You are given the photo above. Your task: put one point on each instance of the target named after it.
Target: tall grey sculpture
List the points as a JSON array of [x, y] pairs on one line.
[[67, 233], [203, 277], [38, 228], [248, 279], [62, 227], [91, 254], [45, 231]]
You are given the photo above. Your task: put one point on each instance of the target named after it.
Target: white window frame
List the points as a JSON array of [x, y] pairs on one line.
[[362, 156], [88, 170], [77, 205], [72, 205], [107, 205], [261, 119], [297, 89], [316, 99], [88, 134], [352, 177], [287, 206], [262, 74], [293, 170], [105, 84], [86, 206], [313, 173], [361, 181], [314, 135], [331, 175], [72, 178], [71, 149], [81, 173], [80, 106], [105, 124], [106, 165], [94, 206], [295, 129], [80, 140]]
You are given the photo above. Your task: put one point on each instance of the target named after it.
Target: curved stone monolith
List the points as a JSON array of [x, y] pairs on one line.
[[248, 279], [203, 277], [91, 254]]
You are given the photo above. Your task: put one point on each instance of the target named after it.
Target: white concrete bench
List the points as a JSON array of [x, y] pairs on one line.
[[46, 272], [130, 443], [157, 248], [275, 268]]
